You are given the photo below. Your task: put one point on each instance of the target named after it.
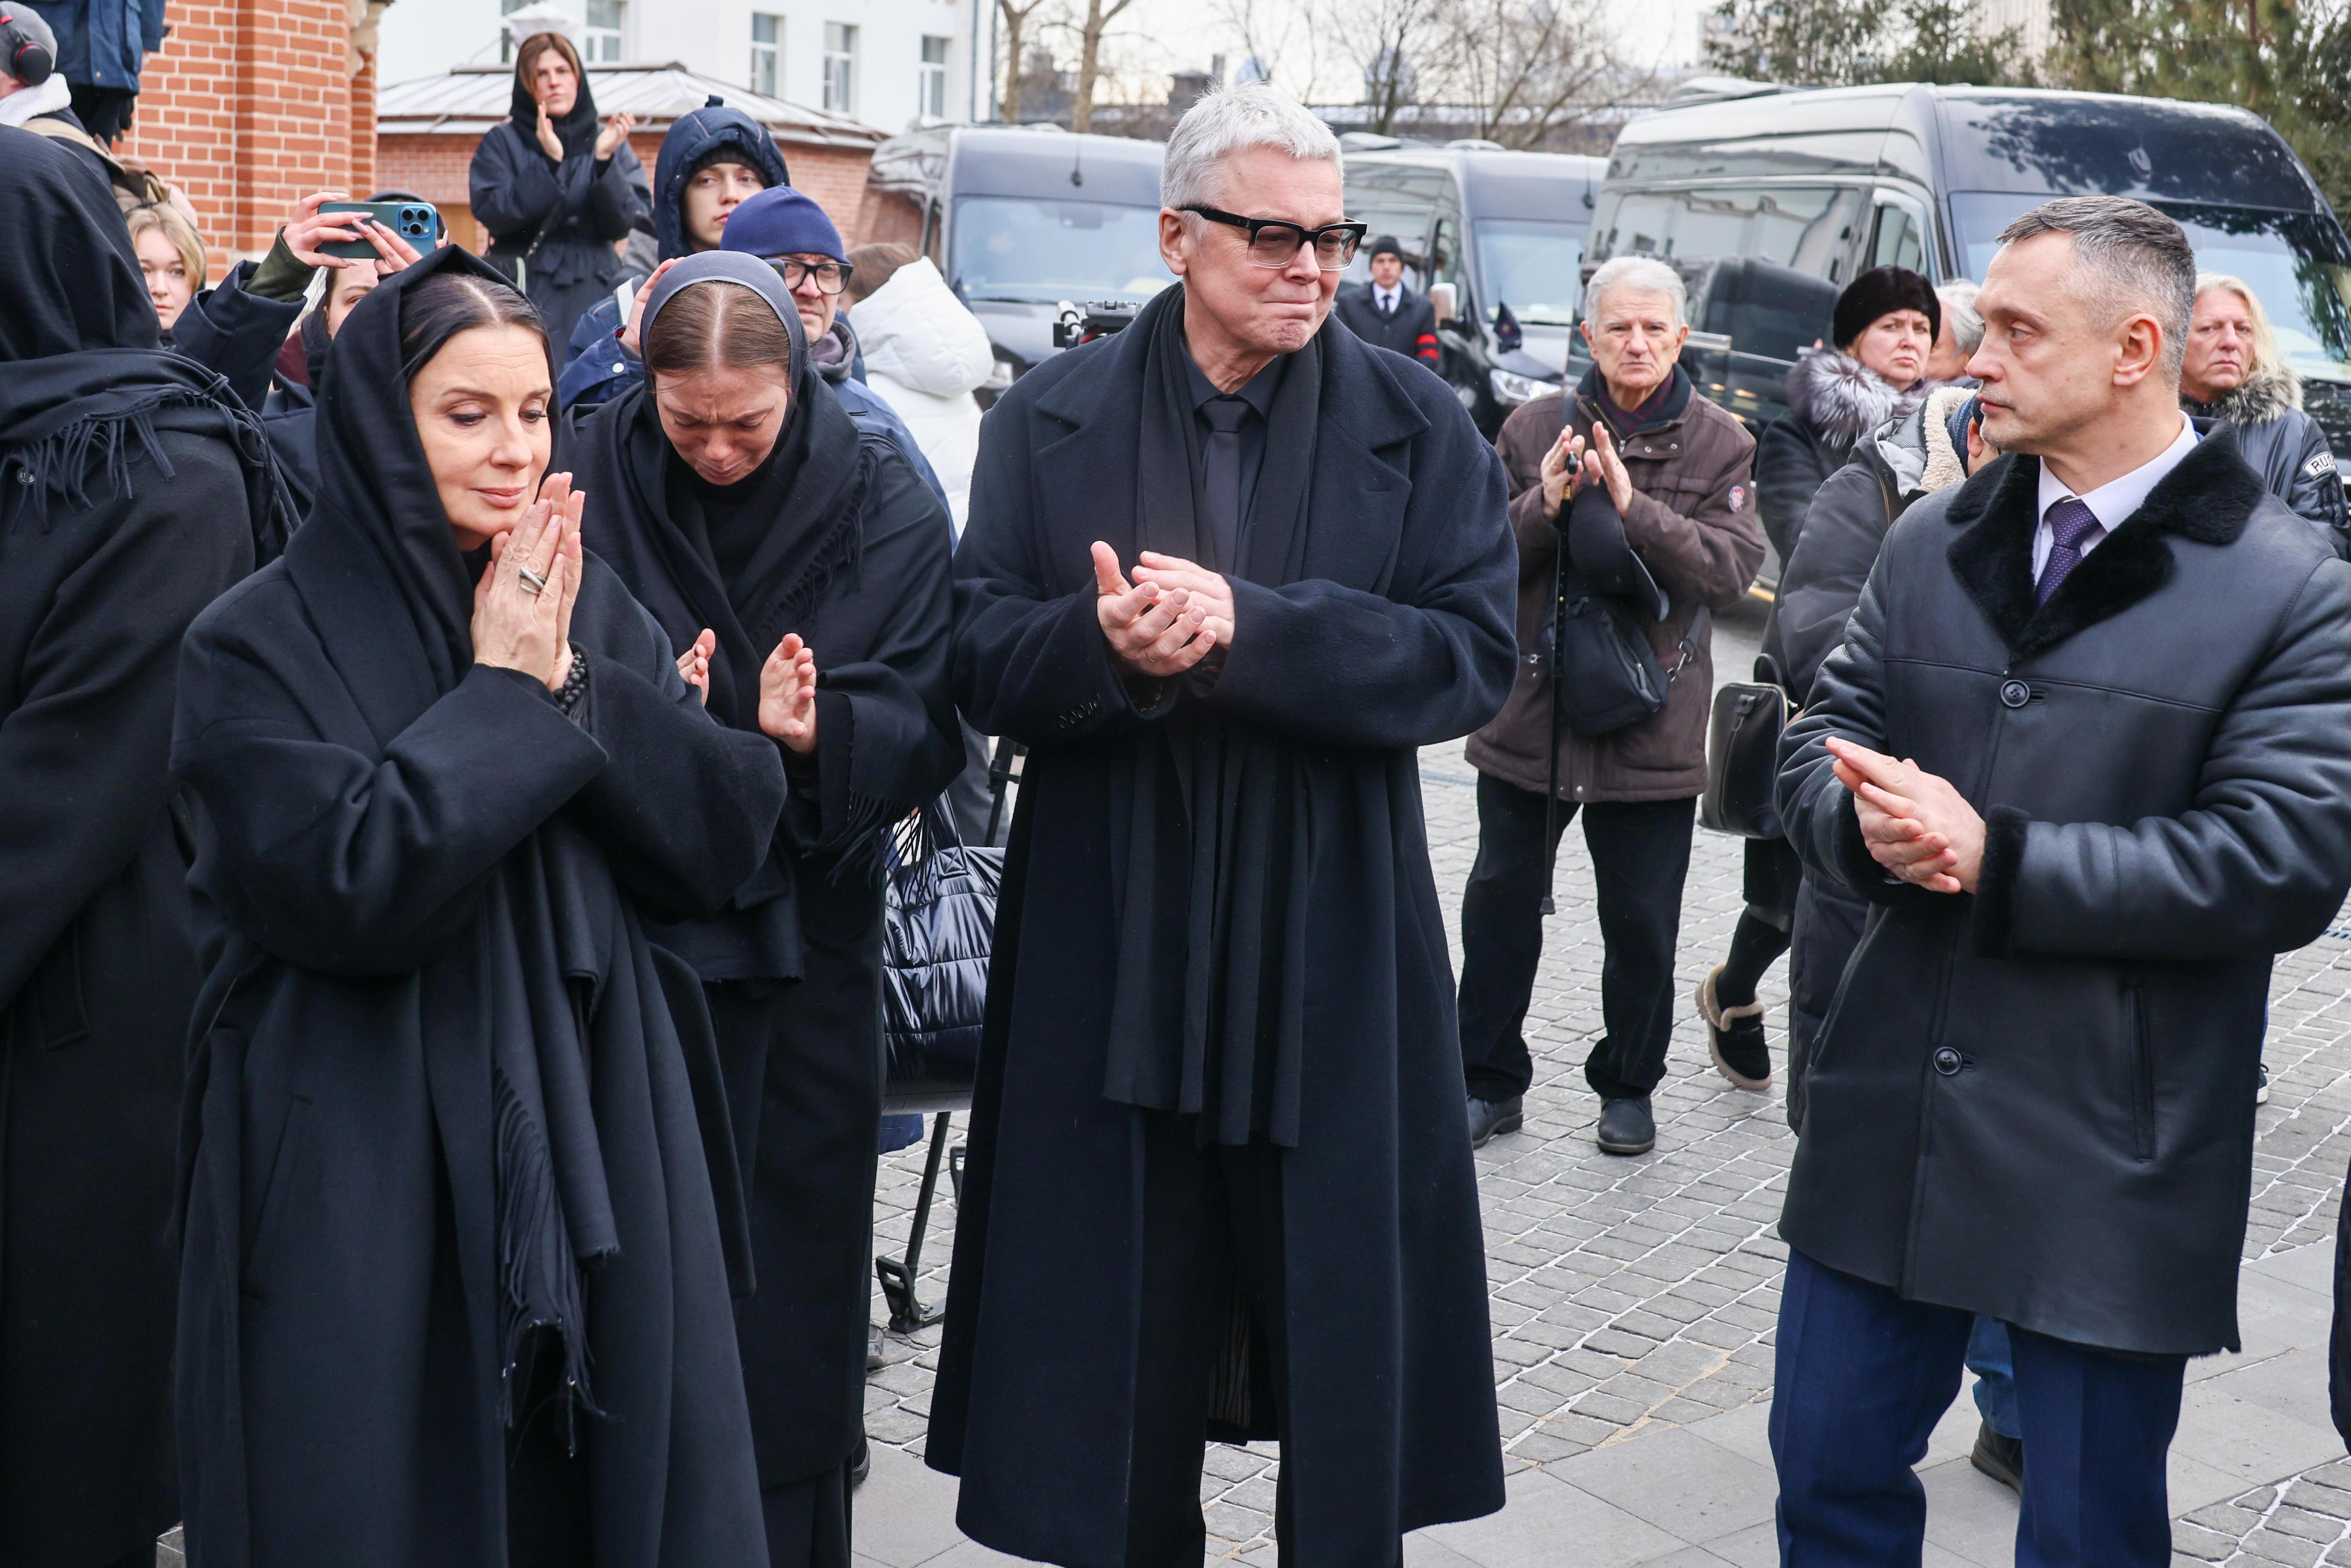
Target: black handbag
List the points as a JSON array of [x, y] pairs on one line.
[[1742, 757], [1607, 676], [938, 929]]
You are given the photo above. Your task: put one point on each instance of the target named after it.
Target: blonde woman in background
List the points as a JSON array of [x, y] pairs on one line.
[[172, 258], [2235, 373]]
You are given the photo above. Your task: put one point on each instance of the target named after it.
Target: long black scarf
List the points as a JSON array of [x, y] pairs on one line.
[[86, 385], [1220, 834], [392, 596], [575, 128]]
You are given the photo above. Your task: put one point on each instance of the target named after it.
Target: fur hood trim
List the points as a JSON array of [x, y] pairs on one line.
[[1844, 399], [2268, 392], [1945, 464]]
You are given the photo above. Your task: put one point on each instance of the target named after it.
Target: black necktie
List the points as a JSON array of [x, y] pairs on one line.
[[1220, 475], [1388, 304]]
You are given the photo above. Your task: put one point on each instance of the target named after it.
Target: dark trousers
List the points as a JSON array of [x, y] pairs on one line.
[[1863, 1376], [1212, 1262], [1640, 856]]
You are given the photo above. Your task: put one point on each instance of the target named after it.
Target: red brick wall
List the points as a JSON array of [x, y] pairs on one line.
[[250, 103], [434, 168]]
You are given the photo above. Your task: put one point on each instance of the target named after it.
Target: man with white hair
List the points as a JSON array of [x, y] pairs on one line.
[[1225, 573], [1958, 334], [1652, 485], [2086, 745]]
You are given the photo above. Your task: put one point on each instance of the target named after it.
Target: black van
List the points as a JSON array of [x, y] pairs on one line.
[[1020, 218], [1826, 183], [1505, 230]]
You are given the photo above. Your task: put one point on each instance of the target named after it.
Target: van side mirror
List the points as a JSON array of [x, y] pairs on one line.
[[1441, 296]]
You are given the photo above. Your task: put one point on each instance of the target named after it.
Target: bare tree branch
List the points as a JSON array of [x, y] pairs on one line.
[[1388, 41], [1016, 25], [1099, 16]]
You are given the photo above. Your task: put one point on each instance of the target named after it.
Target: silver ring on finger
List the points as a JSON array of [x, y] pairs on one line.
[[531, 580]]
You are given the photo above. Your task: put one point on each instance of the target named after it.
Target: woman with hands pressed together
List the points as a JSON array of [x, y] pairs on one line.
[[555, 189], [455, 1279], [802, 568]]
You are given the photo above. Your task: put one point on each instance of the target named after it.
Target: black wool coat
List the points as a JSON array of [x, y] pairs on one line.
[[1397, 635], [576, 209], [98, 973], [2036, 1101], [1410, 331], [795, 961]]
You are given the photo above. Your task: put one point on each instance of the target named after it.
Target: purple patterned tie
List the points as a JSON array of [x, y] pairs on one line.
[[2072, 527]]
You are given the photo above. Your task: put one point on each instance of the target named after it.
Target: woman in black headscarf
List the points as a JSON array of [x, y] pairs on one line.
[[455, 1286], [765, 533], [554, 190], [133, 489]]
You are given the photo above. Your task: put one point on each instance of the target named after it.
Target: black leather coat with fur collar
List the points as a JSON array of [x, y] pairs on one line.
[[2285, 447], [2036, 1101]]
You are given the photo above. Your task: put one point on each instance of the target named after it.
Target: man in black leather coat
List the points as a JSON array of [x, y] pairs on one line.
[[2087, 744]]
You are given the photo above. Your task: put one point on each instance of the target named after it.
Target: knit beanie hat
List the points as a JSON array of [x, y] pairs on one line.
[[782, 222], [1880, 291], [1386, 246]]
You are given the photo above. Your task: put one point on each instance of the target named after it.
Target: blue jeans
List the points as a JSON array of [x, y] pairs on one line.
[[1862, 1377]]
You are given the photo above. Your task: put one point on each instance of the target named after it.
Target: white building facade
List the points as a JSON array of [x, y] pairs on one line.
[[891, 64]]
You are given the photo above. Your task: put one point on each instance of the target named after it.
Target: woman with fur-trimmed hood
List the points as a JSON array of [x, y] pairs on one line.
[[2235, 372], [1884, 328]]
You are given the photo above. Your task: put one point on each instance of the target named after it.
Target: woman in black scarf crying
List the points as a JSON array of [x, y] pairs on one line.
[[803, 570], [455, 1278]]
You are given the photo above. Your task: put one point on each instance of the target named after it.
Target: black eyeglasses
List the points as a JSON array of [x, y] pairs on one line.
[[832, 277], [1274, 241]]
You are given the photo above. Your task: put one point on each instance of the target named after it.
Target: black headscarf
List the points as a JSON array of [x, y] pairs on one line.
[[392, 596], [803, 503], [85, 382], [576, 130], [1225, 861]]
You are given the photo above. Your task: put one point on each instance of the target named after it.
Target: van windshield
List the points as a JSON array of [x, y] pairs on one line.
[[2299, 264], [1028, 251], [1532, 265]]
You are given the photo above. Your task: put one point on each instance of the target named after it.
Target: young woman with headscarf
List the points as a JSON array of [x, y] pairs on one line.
[[134, 488], [555, 191], [455, 1288], [762, 529]]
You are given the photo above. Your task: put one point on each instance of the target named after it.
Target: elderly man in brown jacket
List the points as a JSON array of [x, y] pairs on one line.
[[1678, 470]]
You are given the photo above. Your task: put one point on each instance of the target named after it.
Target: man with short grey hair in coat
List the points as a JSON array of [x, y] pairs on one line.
[[2087, 746]]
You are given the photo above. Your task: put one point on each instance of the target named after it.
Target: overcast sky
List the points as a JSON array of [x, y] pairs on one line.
[[1157, 36]]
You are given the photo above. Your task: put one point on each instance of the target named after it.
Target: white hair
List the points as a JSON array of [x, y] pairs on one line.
[[1233, 120], [1637, 272], [1958, 302]]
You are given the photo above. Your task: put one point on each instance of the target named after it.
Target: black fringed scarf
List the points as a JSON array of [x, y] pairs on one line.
[[1220, 834], [86, 384], [392, 598]]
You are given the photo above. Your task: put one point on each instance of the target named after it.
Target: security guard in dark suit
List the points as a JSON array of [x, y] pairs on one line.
[[1384, 313]]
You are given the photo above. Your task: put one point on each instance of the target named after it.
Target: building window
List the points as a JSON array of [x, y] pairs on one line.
[[602, 42], [840, 67], [931, 87], [766, 52]]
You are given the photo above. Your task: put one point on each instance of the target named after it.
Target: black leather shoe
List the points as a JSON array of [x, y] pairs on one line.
[[1489, 1117], [861, 1463], [2001, 1458], [1626, 1127]]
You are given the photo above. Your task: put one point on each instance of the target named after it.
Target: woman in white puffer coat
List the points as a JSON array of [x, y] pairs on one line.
[[925, 355]]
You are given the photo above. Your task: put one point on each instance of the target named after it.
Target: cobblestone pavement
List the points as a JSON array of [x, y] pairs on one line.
[[1635, 1298]]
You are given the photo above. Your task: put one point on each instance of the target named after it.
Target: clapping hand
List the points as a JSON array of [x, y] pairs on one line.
[[616, 131], [1208, 592], [1150, 631], [1917, 825], [1613, 472], [1560, 466], [522, 605], [694, 664], [787, 695], [549, 142]]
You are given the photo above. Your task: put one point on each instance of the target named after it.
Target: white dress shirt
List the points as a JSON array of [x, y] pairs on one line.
[[1385, 299], [2111, 502]]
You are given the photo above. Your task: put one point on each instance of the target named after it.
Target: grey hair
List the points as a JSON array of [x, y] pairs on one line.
[[1637, 272], [2128, 257], [1231, 121], [1959, 301]]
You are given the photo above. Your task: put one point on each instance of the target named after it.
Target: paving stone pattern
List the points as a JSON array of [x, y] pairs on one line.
[[1633, 1296]]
